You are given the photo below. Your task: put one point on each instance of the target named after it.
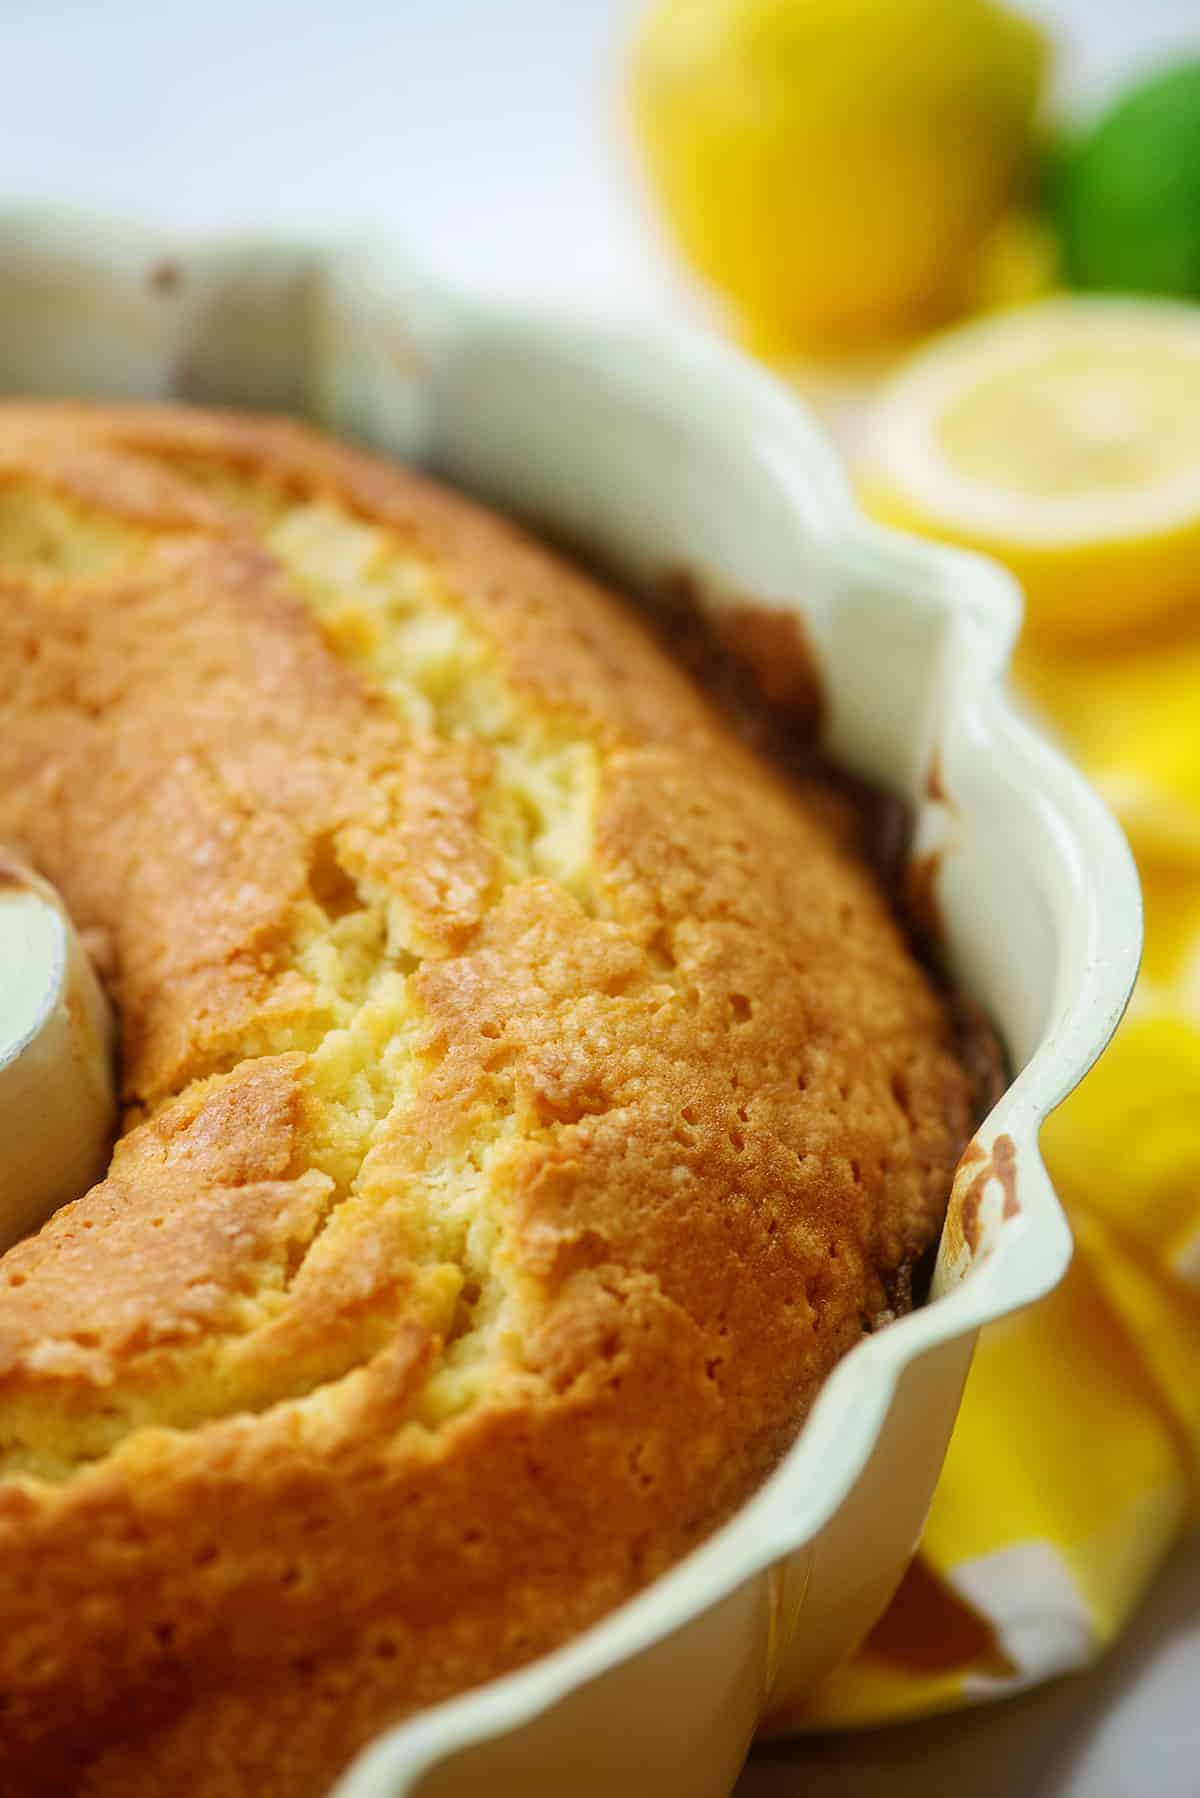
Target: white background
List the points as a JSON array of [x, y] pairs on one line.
[[486, 136]]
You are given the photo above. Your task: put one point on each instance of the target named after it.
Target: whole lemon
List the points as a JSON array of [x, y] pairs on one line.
[[829, 165]]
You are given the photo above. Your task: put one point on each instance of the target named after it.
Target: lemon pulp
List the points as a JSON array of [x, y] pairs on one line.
[[1063, 439]]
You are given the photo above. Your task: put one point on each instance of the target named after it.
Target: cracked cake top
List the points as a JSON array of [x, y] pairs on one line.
[[528, 1096]]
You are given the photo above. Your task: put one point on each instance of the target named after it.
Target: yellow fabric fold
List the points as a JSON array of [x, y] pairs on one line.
[[1075, 1462]]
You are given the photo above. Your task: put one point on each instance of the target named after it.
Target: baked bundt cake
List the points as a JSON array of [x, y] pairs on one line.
[[529, 1095]]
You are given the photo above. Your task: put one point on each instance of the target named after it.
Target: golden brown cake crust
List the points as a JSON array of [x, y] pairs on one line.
[[528, 1102]]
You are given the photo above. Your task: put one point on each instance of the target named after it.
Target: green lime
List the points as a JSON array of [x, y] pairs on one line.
[[1128, 194]]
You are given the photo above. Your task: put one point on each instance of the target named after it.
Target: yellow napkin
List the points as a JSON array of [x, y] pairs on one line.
[[1076, 1458]]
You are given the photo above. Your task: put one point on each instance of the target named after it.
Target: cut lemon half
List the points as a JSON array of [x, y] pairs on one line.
[[1064, 439]]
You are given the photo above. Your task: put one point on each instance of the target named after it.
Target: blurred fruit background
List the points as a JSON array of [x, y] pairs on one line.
[[832, 167]]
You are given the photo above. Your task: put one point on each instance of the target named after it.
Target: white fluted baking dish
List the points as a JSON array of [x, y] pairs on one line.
[[662, 453]]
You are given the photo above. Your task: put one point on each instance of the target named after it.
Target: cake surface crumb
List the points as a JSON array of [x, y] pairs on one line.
[[528, 1098]]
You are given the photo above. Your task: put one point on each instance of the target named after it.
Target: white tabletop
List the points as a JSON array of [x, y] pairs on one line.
[[485, 135]]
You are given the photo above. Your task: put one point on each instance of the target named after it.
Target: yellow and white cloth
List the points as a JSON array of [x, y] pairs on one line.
[[1076, 1459]]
